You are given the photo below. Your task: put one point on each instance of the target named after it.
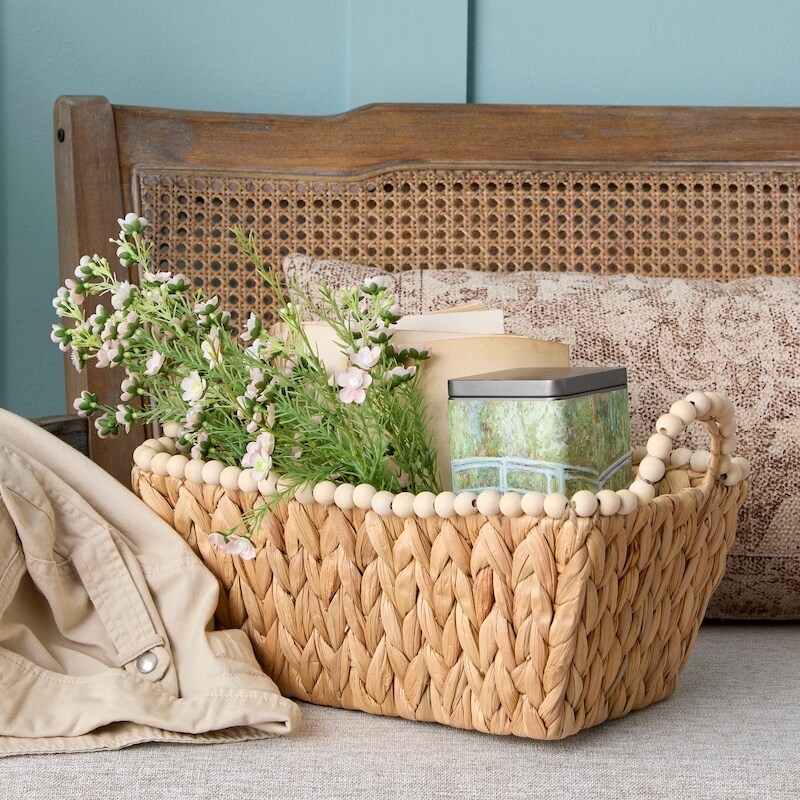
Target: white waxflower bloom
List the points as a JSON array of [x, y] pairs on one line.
[[237, 546], [365, 357], [197, 450], [376, 282], [354, 383], [193, 387], [157, 277], [212, 349], [124, 416], [154, 363], [259, 456], [193, 417], [119, 299], [401, 372], [84, 268], [252, 328]]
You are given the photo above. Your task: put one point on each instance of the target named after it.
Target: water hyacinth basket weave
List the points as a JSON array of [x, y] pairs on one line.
[[532, 616]]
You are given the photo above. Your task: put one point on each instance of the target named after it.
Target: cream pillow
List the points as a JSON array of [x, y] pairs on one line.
[[674, 335]]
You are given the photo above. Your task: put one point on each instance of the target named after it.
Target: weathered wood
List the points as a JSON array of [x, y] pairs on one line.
[[89, 201], [71, 429], [482, 134]]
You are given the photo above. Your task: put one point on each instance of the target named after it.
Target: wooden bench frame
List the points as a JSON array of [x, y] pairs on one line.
[[99, 147]]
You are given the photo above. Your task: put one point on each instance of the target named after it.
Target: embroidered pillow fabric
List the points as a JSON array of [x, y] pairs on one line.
[[674, 335]]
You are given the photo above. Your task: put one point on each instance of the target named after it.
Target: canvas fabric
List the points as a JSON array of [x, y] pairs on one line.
[[106, 633]]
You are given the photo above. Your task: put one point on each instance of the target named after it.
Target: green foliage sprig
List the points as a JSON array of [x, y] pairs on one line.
[[263, 400]]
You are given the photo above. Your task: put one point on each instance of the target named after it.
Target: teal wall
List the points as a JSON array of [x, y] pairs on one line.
[[325, 56]]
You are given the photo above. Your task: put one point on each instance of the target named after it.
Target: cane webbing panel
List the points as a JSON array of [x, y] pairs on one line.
[[707, 223]]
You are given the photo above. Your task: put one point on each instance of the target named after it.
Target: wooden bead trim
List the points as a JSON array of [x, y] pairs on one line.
[[159, 457]]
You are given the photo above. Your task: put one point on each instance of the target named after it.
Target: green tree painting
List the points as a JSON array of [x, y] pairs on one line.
[[541, 445]]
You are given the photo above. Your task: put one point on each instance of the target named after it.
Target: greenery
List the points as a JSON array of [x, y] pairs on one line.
[[262, 400]]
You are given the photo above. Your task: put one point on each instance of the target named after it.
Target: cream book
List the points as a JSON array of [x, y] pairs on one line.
[[487, 321]]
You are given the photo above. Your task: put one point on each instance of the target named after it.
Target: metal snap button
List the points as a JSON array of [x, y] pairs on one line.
[[147, 662]]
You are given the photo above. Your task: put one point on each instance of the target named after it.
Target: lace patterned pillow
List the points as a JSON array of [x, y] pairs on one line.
[[674, 335]]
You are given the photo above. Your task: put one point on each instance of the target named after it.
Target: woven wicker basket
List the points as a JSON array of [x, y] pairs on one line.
[[526, 625]]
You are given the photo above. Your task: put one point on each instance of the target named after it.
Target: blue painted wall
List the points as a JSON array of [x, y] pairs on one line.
[[324, 56], [252, 55], [636, 52]]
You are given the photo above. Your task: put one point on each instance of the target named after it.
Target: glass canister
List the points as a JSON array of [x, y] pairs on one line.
[[549, 430]]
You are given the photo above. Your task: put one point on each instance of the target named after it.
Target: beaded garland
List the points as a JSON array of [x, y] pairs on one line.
[[160, 457]]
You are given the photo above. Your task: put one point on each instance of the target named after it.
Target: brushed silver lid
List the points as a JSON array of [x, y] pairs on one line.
[[541, 382]]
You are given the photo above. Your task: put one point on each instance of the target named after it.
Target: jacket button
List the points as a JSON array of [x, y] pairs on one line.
[[147, 662]]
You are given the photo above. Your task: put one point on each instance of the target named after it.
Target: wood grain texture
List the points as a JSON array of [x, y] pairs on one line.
[[406, 133], [89, 202]]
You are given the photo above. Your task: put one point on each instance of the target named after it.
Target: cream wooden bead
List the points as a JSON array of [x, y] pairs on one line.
[[176, 466], [511, 504], [382, 503], [211, 472], [728, 410], [727, 428], [743, 464], [154, 444], [158, 466], [362, 496], [728, 414], [323, 492], [724, 464], [555, 504], [403, 505], [608, 502], [488, 503], [651, 469], [229, 478], [343, 496], [669, 424], [172, 429], [701, 403], [680, 457], [685, 410], [585, 503], [644, 491], [717, 402], [304, 494], [423, 505], [167, 444], [628, 501], [533, 503], [444, 505], [246, 482], [464, 504], [269, 485], [728, 445], [142, 456], [699, 460], [194, 471], [659, 446], [732, 476]]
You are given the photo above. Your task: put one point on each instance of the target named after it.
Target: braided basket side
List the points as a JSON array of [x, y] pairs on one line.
[[532, 626]]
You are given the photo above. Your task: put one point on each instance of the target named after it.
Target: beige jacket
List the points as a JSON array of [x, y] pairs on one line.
[[105, 617]]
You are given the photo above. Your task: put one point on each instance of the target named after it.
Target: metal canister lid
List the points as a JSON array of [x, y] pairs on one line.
[[541, 382]]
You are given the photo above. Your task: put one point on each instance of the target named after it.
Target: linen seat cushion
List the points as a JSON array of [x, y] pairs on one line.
[[675, 336]]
